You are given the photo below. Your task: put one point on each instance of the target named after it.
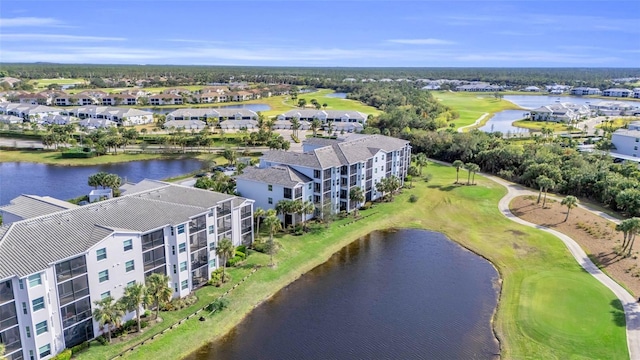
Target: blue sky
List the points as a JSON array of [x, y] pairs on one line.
[[324, 33]]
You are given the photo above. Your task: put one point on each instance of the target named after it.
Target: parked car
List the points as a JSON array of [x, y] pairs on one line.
[[218, 168]]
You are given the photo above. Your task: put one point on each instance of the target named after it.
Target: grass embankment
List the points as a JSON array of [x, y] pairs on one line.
[[538, 125], [549, 307], [472, 106]]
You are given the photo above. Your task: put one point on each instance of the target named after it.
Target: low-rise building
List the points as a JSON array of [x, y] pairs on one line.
[[325, 116], [580, 91], [165, 99], [185, 124], [617, 92], [560, 112], [28, 112], [217, 114], [627, 141], [54, 264], [614, 108], [479, 87], [120, 115]]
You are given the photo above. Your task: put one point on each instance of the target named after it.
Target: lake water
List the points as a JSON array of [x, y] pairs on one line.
[[339, 95], [501, 121], [254, 107], [66, 182], [407, 294]]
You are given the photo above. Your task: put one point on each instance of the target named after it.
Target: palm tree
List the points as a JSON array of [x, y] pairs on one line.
[[158, 289], [272, 222], [633, 228], [458, 164], [257, 214], [295, 125], [545, 184], [570, 202], [473, 168], [306, 209], [540, 180], [357, 196], [421, 161], [315, 125], [230, 155], [108, 313], [468, 167], [134, 297], [225, 250]]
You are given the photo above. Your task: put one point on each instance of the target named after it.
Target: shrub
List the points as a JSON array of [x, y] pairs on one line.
[[242, 248], [261, 246], [102, 340], [241, 254], [413, 198], [65, 355], [234, 261], [129, 324], [216, 278], [78, 348], [366, 205], [218, 304], [143, 324]]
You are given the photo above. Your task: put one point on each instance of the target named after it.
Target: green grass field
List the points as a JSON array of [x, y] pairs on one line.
[[549, 307], [538, 125], [471, 106], [55, 158], [43, 83]]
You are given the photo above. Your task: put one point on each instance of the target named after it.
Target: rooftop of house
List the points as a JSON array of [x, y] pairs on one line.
[[30, 206], [342, 151], [281, 175], [30, 246], [212, 112], [331, 114]]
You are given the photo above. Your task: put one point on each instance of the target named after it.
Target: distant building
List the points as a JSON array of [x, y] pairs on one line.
[[325, 116], [580, 91], [120, 115], [531, 89], [218, 114], [479, 87], [627, 141], [185, 124], [614, 108], [560, 112], [617, 92]]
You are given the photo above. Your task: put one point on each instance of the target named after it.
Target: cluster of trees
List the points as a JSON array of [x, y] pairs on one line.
[[549, 166], [168, 75], [295, 207], [109, 312], [105, 180], [218, 182]]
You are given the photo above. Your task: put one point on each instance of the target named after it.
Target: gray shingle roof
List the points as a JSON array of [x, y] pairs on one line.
[[329, 114], [212, 112], [30, 246], [281, 175], [30, 206]]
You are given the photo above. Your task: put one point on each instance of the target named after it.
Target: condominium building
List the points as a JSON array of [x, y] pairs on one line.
[[326, 171], [54, 264]]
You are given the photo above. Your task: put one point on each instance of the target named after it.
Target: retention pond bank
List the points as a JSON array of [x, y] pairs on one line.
[[391, 294]]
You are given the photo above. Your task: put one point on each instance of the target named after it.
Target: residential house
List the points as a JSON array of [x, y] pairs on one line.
[[580, 91], [217, 114], [81, 255], [10, 119], [122, 116], [531, 89], [614, 108], [208, 97], [636, 93], [238, 124], [324, 116], [479, 87], [240, 96], [9, 80], [119, 99], [336, 166], [93, 123], [557, 89], [34, 99], [28, 112], [617, 92], [31, 206], [165, 99], [185, 124], [57, 120], [560, 112], [627, 141]]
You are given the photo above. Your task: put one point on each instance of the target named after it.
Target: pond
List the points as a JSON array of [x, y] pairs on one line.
[[254, 107], [501, 121], [66, 182], [406, 294], [339, 95]]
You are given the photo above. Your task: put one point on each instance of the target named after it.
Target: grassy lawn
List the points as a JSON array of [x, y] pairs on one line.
[[538, 125], [43, 83], [543, 311], [55, 158], [471, 106]]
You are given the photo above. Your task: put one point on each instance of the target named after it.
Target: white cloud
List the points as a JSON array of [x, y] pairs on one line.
[[421, 41], [57, 38], [29, 21]]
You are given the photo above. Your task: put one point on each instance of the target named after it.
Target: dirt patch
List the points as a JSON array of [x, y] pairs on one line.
[[595, 235]]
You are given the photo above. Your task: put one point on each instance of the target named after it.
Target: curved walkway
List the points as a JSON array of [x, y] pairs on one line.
[[461, 129], [631, 307]]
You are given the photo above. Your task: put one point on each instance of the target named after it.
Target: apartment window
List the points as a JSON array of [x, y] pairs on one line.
[[31, 357], [101, 254], [183, 266], [637, 139], [212, 229], [128, 245], [316, 174], [212, 263], [44, 350], [41, 328], [212, 246], [37, 304], [182, 247], [172, 231], [310, 185], [184, 284], [376, 159], [129, 266], [24, 308], [21, 284], [210, 214], [181, 229], [173, 249], [270, 200], [28, 331], [176, 286], [131, 283], [103, 275], [105, 295], [35, 280]]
